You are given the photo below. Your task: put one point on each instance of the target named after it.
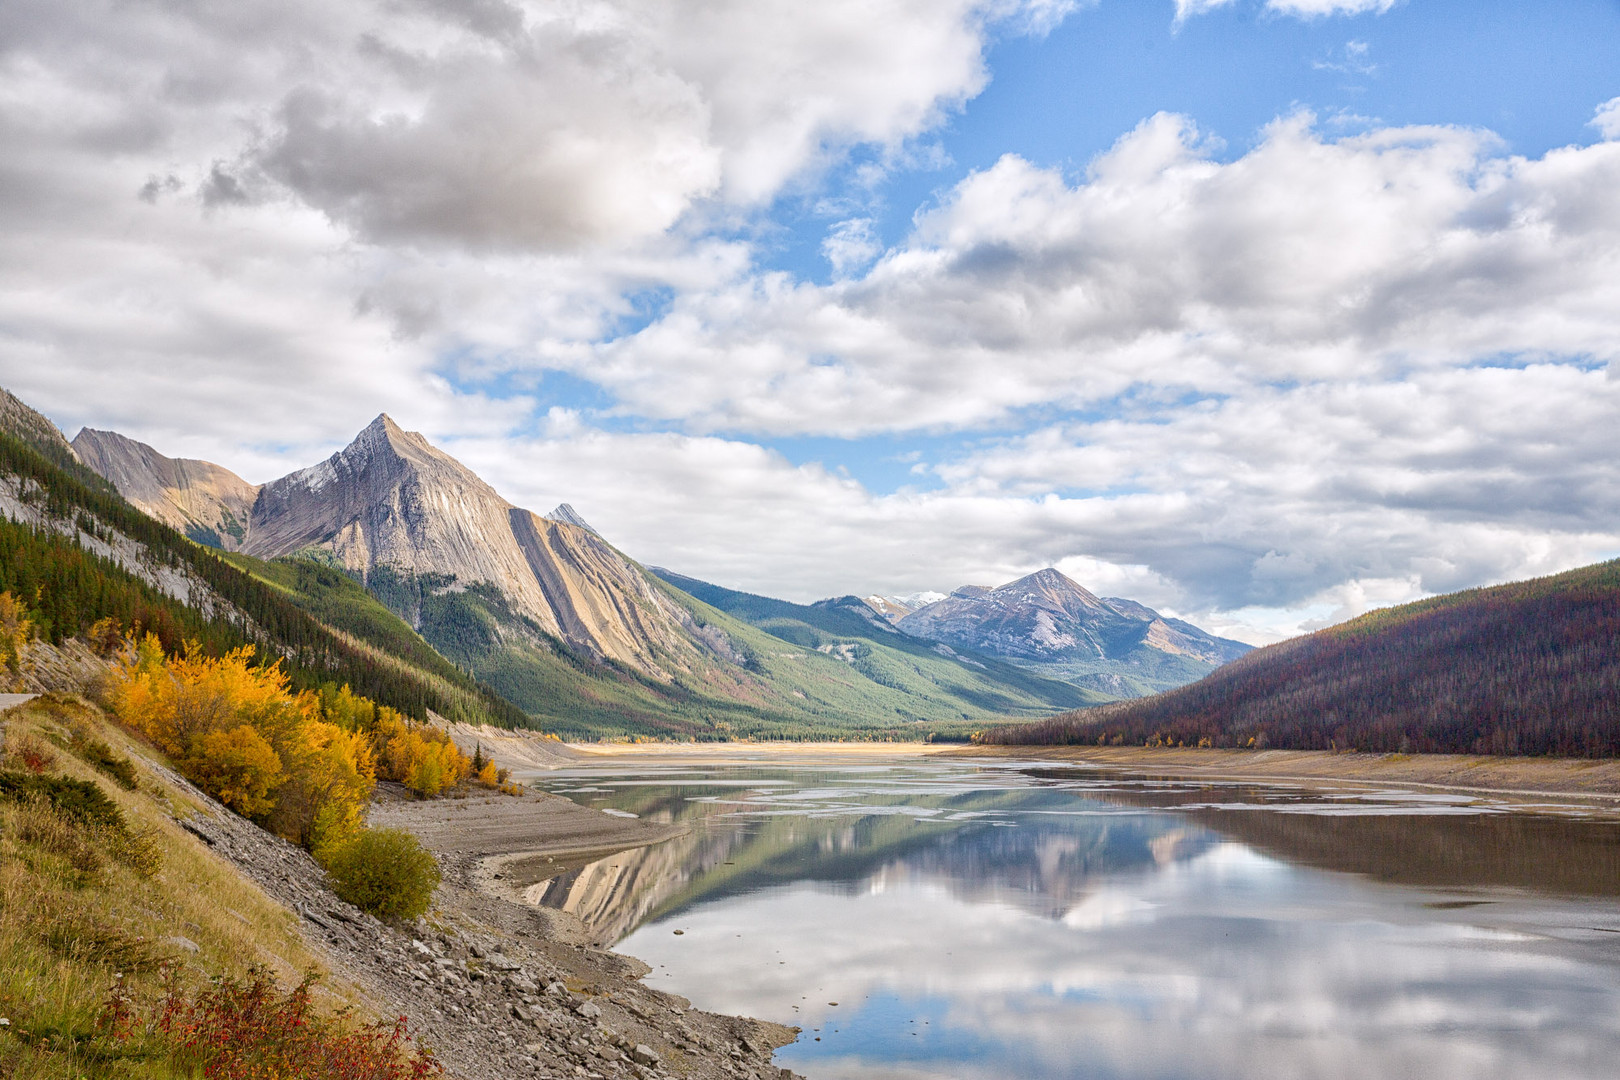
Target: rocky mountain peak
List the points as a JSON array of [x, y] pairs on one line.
[[565, 514], [1047, 617], [1050, 589], [32, 427]]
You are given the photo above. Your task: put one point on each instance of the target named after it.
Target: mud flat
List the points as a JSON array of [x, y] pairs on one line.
[[1587, 782]]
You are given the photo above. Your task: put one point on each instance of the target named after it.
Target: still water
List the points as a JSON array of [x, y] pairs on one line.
[[955, 918]]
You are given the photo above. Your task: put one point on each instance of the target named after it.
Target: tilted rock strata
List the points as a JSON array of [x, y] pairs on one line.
[[390, 499], [205, 501]]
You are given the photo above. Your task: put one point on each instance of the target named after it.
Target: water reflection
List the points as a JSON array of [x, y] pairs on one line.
[[997, 921]]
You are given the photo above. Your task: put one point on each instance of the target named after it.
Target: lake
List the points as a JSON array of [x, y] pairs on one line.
[[952, 918]]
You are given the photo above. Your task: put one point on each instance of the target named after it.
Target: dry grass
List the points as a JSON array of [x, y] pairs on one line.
[[82, 906]]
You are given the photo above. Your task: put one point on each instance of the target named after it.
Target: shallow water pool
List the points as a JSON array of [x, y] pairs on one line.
[[956, 918]]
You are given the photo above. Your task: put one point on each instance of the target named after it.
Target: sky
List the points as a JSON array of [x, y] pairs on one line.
[[1262, 312]]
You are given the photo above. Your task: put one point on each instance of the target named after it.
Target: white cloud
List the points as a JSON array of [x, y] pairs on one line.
[[1317, 8], [1300, 8], [1308, 258], [850, 245], [1187, 8], [1607, 119]]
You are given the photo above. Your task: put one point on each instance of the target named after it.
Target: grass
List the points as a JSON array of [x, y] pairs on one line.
[[80, 915]]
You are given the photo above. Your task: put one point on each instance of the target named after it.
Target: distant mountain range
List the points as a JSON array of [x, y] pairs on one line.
[[563, 625], [541, 608], [1049, 623], [1527, 668], [393, 567]]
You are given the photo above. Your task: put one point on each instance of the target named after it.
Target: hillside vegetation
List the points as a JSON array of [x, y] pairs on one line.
[[847, 627], [130, 949], [66, 572], [761, 685], [1531, 667]]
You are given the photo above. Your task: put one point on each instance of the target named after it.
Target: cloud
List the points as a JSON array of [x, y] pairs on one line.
[[1160, 271], [1607, 119], [1317, 8], [1300, 8], [563, 126], [850, 245]]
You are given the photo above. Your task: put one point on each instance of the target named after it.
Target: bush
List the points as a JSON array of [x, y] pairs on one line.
[[102, 756], [385, 872], [249, 1030], [82, 800]]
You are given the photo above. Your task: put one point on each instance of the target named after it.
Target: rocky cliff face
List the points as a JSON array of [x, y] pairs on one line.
[[1047, 617], [207, 502], [391, 502]]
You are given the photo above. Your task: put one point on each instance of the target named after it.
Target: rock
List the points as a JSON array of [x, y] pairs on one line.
[[183, 943], [589, 1010], [645, 1054]]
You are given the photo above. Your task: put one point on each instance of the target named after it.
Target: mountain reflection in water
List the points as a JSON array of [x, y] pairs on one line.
[[978, 920]]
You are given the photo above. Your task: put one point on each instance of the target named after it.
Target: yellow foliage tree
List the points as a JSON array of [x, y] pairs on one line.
[[239, 767], [420, 756], [15, 630], [225, 720]]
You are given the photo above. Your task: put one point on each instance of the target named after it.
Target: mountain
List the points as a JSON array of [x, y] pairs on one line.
[[565, 514], [391, 503], [1527, 668], [208, 503], [1050, 623], [552, 616], [895, 608], [77, 552], [846, 628]]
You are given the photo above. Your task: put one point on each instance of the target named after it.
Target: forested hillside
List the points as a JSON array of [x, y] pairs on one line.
[[64, 568], [1527, 668]]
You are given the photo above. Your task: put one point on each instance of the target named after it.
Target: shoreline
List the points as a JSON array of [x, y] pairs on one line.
[[1590, 781], [499, 988]]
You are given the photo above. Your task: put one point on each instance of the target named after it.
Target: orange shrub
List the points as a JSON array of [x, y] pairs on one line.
[[241, 734], [15, 630], [420, 756]]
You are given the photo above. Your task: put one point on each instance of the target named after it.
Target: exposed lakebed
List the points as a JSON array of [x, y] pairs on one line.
[[927, 917]]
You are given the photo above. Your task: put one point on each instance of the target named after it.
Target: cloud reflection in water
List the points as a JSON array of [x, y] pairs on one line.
[[1124, 941]]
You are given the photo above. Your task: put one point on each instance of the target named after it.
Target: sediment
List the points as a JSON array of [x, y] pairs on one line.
[[1591, 782], [499, 989]]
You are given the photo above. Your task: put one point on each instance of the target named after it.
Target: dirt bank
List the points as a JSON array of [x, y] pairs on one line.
[[500, 990], [1589, 782]]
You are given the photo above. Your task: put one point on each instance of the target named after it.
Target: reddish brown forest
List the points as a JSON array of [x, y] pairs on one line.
[[1527, 668]]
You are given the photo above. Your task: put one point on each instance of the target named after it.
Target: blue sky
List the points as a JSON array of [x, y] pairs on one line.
[[1263, 312], [1528, 74]]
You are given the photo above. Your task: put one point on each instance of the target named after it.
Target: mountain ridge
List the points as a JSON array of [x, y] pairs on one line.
[[1046, 620], [1530, 667]]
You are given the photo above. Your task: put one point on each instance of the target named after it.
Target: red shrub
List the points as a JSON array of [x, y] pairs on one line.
[[248, 1031]]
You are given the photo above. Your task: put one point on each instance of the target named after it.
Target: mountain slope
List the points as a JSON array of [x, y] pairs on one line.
[[847, 628], [1527, 668], [207, 502], [560, 623], [1051, 624], [77, 552], [390, 501]]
